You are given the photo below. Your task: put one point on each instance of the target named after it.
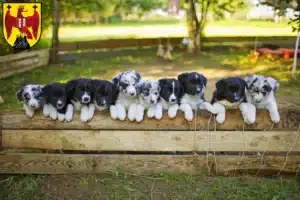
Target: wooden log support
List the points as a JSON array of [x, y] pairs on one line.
[[13, 120], [153, 141], [14, 163]]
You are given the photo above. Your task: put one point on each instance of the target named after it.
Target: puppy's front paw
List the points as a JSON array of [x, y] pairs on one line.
[[188, 115], [84, 114], [220, 118], [132, 110], [150, 112], [139, 116], [158, 114], [69, 117], [172, 112], [275, 117], [61, 117], [122, 114], [113, 112], [248, 112], [29, 113], [69, 113], [46, 112], [84, 117], [53, 114]]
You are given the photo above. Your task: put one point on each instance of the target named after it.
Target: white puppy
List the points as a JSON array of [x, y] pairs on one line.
[[260, 93], [148, 99], [127, 84]]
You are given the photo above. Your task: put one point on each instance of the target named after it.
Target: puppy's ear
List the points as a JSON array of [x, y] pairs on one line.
[[70, 86], [46, 90], [95, 83], [138, 76], [273, 83], [112, 94], [139, 87], [19, 94], [204, 79], [162, 82], [182, 77], [249, 80], [221, 86], [243, 82], [116, 79]]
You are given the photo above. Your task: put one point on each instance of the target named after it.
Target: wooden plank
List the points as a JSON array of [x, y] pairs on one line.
[[15, 119], [184, 141], [16, 163]]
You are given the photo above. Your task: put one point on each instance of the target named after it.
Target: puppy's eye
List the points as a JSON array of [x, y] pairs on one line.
[[155, 93], [26, 96]]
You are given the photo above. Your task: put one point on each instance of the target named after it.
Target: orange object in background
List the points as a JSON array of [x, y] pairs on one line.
[[286, 55]]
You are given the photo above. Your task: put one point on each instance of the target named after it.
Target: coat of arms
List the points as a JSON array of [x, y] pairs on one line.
[[22, 24]]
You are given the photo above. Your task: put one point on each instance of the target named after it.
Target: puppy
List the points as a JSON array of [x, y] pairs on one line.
[[170, 93], [105, 95], [31, 96], [56, 101], [260, 93], [194, 85], [229, 93], [127, 84], [80, 95], [148, 99]]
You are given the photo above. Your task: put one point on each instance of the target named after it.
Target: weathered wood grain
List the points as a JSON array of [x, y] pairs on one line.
[[184, 141], [15, 119], [15, 163]]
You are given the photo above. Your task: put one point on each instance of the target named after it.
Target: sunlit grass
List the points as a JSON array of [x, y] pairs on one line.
[[170, 28], [214, 63]]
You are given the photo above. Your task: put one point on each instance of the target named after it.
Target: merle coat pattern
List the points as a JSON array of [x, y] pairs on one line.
[[32, 98]]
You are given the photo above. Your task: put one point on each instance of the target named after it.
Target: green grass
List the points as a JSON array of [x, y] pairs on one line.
[[119, 186], [213, 63], [169, 28]]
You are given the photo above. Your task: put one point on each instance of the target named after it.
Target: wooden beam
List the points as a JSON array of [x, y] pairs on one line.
[[185, 141], [15, 119], [16, 163]]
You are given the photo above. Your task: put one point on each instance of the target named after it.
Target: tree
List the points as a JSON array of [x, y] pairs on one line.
[[281, 6], [196, 25], [55, 28]]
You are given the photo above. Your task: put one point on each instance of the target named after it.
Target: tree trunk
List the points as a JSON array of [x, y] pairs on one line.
[[55, 40], [295, 57], [193, 27]]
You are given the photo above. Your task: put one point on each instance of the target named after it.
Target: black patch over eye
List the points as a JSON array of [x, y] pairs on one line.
[[26, 96]]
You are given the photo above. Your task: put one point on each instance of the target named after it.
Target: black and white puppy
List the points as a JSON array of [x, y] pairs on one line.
[[260, 93], [31, 96], [229, 93], [127, 84], [148, 99], [170, 95], [194, 85], [56, 101], [105, 95], [80, 93]]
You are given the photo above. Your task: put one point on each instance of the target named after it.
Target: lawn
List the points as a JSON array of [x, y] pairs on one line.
[[118, 186], [169, 28], [214, 63]]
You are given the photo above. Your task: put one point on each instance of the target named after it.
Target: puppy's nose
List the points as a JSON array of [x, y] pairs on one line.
[[173, 100], [86, 99], [59, 103], [33, 106], [132, 93], [152, 101], [198, 90]]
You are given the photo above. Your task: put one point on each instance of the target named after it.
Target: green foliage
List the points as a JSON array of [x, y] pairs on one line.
[[281, 7]]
